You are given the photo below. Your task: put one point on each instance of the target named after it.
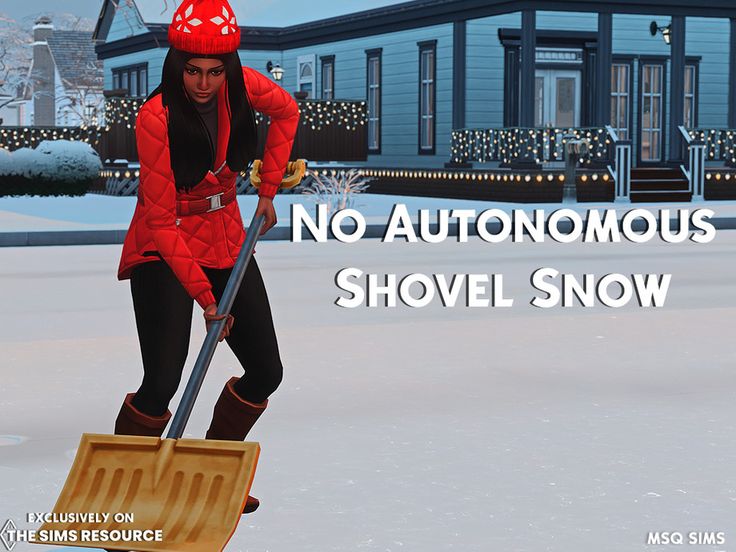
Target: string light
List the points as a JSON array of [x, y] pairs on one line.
[[542, 144], [720, 143], [315, 114], [320, 113], [13, 138], [478, 176]]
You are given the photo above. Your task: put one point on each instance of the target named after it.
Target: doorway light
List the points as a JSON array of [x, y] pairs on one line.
[[666, 31]]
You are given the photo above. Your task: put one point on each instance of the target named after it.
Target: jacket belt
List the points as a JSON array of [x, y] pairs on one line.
[[205, 205]]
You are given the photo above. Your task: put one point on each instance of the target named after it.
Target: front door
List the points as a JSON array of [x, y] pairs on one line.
[[557, 98]]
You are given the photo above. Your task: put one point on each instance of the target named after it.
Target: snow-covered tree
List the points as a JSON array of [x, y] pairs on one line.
[[15, 58], [17, 80]]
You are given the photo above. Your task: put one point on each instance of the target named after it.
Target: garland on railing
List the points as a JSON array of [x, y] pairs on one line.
[[538, 144], [720, 143]]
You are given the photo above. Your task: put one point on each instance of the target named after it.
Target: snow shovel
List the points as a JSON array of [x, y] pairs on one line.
[[187, 493]]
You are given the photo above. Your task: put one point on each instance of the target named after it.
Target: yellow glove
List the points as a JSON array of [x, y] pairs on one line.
[[294, 173]]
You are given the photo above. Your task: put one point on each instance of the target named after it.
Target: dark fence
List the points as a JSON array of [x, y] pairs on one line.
[[13, 137], [328, 131]]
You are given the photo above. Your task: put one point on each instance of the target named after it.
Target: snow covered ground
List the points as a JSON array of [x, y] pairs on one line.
[[415, 430], [95, 211]]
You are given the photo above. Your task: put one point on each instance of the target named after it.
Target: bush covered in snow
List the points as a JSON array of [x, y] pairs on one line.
[[55, 167], [5, 161]]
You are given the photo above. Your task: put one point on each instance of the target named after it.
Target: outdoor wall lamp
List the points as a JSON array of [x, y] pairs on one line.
[[275, 70], [666, 31]]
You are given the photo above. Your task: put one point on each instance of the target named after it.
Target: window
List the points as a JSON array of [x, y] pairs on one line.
[[305, 74], [133, 78], [652, 77], [539, 101], [373, 94], [691, 79], [328, 77], [621, 98], [427, 96]]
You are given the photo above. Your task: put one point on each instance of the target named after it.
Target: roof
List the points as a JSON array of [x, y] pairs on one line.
[[274, 13], [275, 24], [75, 58]]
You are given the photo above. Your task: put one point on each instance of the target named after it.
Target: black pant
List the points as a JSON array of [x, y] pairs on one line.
[[163, 315]]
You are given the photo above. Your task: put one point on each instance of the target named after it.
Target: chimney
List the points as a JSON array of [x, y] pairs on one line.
[[43, 75]]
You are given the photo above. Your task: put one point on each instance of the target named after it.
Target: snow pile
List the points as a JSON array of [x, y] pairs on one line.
[[61, 160]]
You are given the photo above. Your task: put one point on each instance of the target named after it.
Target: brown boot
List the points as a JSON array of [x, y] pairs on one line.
[[131, 421], [232, 419]]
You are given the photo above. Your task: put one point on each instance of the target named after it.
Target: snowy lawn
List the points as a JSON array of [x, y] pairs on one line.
[[101, 211], [94, 211], [415, 430]]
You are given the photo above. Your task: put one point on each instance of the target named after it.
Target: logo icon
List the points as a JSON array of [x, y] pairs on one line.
[[7, 529]]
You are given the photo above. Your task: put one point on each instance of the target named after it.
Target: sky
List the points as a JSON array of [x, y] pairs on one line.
[[260, 12]]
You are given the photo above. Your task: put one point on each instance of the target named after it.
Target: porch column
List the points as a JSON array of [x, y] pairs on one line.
[[458, 74], [603, 69], [677, 85], [528, 61], [732, 76]]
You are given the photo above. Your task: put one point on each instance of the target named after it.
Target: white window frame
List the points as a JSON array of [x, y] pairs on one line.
[[374, 97], [310, 59], [690, 95], [328, 74], [623, 132], [427, 96]]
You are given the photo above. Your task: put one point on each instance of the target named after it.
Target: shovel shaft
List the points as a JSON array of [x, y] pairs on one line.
[[184, 410]]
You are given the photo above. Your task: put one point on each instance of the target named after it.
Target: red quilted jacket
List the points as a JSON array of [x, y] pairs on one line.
[[211, 239]]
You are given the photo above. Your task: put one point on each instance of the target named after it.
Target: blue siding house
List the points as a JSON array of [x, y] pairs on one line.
[[430, 70]]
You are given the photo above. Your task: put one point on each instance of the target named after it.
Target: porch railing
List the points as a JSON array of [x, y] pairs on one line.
[[621, 168], [540, 145], [720, 143], [697, 153]]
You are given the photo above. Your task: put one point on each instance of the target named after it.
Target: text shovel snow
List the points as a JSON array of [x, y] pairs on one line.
[[171, 494]]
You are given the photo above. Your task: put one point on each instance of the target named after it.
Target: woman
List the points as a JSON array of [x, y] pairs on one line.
[[194, 134]]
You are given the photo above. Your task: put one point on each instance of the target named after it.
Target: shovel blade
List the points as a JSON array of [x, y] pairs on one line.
[[192, 490]]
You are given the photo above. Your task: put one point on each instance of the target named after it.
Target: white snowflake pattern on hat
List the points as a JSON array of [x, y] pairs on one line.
[[227, 25], [194, 22], [205, 27]]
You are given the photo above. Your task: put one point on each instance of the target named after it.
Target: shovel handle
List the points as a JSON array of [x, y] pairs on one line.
[[184, 410]]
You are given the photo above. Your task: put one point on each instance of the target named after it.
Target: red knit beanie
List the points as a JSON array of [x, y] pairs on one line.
[[204, 27]]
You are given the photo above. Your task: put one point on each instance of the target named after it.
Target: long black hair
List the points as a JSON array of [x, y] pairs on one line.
[[189, 144]]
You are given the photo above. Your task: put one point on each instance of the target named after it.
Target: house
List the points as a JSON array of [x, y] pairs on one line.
[[64, 82], [12, 109], [430, 68]]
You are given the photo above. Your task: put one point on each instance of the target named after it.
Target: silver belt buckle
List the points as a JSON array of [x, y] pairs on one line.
[[215, 202]]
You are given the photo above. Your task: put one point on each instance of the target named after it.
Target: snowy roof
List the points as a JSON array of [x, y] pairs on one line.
[[267, 13], [75, 58]]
